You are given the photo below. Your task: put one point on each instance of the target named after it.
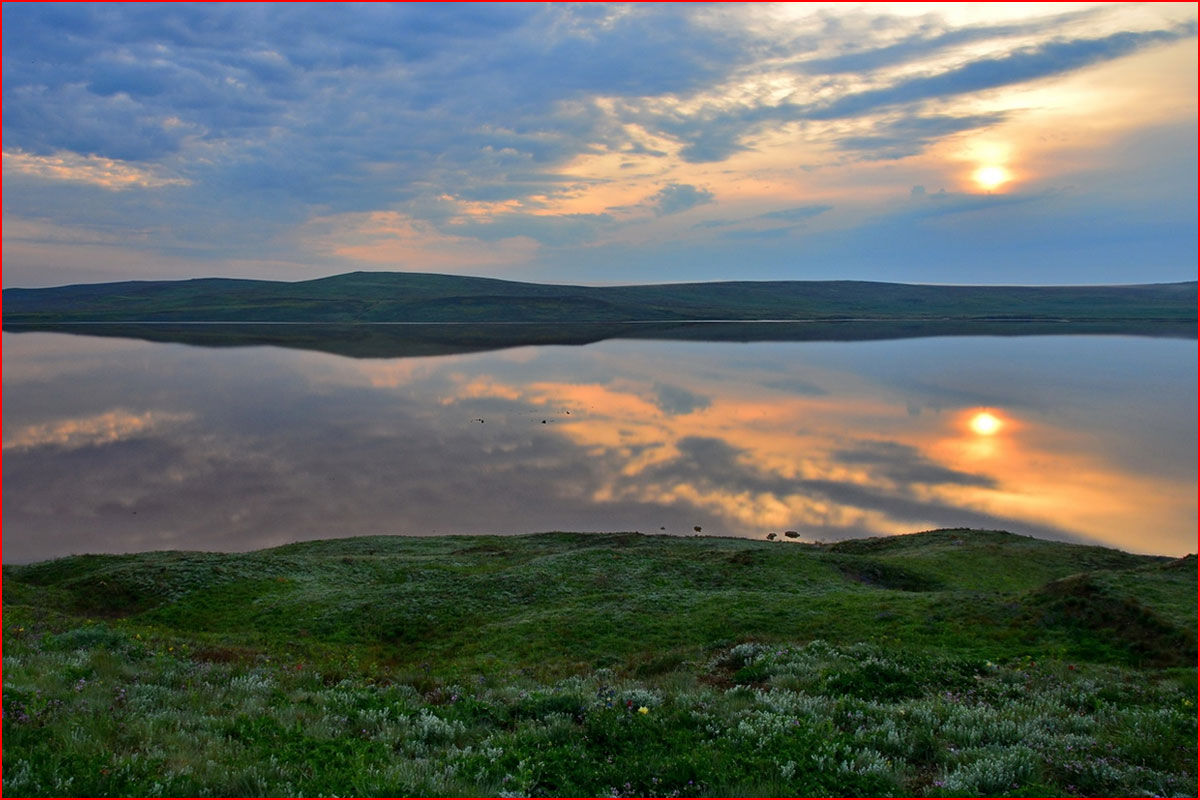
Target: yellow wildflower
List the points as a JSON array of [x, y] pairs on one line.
[[643, 710]]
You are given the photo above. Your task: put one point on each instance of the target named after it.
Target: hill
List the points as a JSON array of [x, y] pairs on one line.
[[416, 297], [948, 662]]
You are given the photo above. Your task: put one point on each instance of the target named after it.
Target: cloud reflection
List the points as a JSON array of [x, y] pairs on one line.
[[768, 462], [259, 446], [98, 429]]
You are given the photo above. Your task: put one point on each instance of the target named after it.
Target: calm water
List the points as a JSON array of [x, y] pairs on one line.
[[115, 445]]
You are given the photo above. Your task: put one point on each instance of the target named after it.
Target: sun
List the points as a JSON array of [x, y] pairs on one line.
[[991, 176], [985, 423]]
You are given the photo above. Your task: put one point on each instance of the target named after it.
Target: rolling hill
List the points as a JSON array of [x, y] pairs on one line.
[[945, 663], [416, 297]]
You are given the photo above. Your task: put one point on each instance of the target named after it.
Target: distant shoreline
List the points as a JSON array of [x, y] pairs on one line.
[[412, 298], [415, 339], [1020, 320]]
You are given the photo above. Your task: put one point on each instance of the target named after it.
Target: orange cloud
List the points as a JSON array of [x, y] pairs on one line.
[[107, 173], [405, 243]]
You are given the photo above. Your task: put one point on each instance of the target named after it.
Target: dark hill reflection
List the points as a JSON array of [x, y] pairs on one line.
[[114, 444], [383, 340]]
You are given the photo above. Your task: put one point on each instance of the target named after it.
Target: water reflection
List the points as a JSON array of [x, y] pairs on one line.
[[113, 445]]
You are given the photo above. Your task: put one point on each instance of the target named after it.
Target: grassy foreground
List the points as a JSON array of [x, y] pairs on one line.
[[944, 663]]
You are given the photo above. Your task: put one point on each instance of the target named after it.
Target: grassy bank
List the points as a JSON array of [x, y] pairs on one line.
[[950, 662]]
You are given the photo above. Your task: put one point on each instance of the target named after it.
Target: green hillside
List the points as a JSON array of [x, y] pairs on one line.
[[944, 663], [415, 297]]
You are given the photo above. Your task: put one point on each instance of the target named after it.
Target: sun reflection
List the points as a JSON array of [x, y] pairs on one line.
[[753, 456]]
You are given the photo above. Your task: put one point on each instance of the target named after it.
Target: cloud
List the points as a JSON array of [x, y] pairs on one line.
[[942, 203], [718, 131], [796, 386], [106, 173], [550, 229], [797, 213], [764, 233], [796, 216], [933, 38], [500, 77], [290, 110], [400, 241], [910, 135], [1024, 65], [678, 197]]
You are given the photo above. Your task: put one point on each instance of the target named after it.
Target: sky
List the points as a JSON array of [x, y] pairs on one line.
[[990, 143]]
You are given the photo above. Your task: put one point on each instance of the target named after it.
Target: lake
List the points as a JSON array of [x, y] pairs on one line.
[[116, 444]]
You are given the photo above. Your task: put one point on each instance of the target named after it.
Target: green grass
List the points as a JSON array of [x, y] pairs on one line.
[[943, 663]]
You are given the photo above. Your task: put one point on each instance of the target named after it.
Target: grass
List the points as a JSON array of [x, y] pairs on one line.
[[943, 663]]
